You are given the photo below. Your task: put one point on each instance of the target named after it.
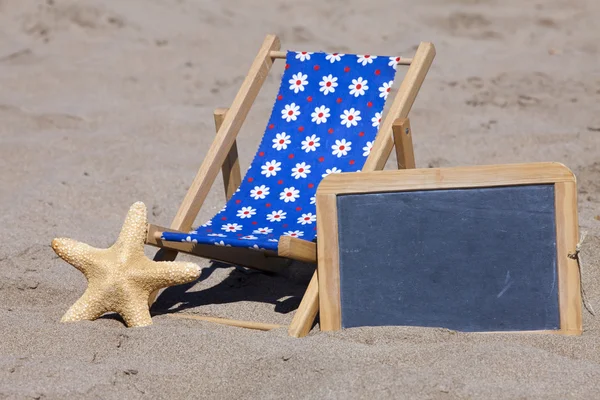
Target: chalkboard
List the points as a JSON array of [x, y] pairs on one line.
[[463, 256], [463, 259]]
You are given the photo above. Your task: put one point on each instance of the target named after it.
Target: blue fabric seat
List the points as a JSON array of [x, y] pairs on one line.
[[324, 121]]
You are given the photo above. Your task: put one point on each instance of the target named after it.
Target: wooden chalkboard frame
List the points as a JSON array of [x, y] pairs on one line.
[[565, 189]]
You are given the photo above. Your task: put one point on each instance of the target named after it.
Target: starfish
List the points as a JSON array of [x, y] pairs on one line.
[[121, 278]]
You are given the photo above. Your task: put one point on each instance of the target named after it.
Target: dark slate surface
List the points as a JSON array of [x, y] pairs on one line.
[[464, 259]]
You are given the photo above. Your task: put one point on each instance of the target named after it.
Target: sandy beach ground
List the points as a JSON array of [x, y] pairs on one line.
[[104, 103]]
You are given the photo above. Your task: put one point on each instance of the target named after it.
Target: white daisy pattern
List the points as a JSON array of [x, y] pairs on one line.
[[303, 55], [189, 239], [324, 121], [263, 231], [307, 218], [328, 84], [294, 233], [290, 112], [289, 194], [385, 89], [365, 59], [231, 227], [393, 62], [271, 168], [276, 216], [281, 141], [246, 212], [298, 82], [260, 192], [333, 170], [311, 143], [350, 117], [376, 120], [341, 148], [358, 87], [333, 57], [320, 115], [367, 149], [301, 170]]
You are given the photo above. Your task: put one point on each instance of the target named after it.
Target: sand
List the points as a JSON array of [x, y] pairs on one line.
[[104, 103]]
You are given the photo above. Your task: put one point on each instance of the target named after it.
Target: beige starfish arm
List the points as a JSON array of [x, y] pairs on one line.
[[133, 233], [79, 255], [157, 275], [89, 307], [134, 308]]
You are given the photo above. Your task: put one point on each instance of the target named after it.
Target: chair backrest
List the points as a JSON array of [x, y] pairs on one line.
[[324, 120]]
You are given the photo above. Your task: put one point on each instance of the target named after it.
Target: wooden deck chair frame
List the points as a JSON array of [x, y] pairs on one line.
[[223, 155]]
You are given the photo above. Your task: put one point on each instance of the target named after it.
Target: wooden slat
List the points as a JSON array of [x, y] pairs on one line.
[[445, 178], [405, 154], [231, 322], [307, 311], [218, 151], [328, 267], [266, 261], [283, 54], [567, 236], [297, 249], [403, 101], [232, 175]]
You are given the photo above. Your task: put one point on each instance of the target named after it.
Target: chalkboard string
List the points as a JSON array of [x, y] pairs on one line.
[[577, 256]]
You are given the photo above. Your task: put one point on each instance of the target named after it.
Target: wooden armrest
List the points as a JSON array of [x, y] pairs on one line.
[[297, 249]]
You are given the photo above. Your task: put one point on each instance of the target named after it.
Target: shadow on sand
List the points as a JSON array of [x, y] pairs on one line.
[[284, 292]]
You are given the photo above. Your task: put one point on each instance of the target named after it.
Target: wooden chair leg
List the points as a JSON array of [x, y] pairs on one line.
[[307, 311], [232, 175], [404, 146]]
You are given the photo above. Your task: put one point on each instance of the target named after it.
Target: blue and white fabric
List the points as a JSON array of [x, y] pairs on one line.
[[324, 121]]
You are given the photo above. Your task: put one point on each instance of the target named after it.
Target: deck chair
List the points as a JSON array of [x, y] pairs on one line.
[[326, 119]]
